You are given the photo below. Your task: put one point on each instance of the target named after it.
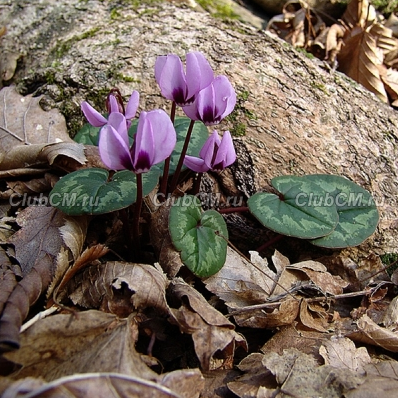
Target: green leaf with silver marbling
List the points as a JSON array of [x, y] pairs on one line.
[[291, 212], [358, 214], [201, 237]]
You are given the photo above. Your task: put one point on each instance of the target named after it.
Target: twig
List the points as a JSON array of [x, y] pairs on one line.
[[256, 307], [40, 315]]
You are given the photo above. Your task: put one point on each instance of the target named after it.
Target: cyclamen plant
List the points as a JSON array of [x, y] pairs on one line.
[[157, 146]]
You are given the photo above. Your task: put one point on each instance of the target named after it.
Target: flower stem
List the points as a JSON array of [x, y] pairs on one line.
[[163, 184], [136, 218], [176, 175]]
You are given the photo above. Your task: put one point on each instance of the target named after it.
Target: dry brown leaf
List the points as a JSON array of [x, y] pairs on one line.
[[37, 245], [390, 80], [371, 333], [311, 318], [360, 59], [307, 341], [342, 353], [73, 233], [291, 368], [381, 381], [31, 136], [90, 341], [239, 283], [8, 282], [39, 236], [25, 122], [333, 42], [98, 385], [119, 288], [390, 318], [359, 13], [211, 331], [255, 377], [284, 314]]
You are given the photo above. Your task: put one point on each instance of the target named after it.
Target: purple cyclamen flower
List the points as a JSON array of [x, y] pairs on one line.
[[114, 104], [216, 154], [154, 141], [177, 85], [213, 103]]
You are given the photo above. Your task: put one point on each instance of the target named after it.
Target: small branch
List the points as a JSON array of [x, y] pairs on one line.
[[270, 304]]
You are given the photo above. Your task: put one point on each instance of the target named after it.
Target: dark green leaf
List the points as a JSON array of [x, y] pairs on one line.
[[88, 191]]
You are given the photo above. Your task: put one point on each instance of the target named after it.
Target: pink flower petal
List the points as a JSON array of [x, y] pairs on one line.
[[93, 116]]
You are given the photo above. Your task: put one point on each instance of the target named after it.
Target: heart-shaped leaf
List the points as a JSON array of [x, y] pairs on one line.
[[200, 236], [291, 213], [88, 191], [358, 214]]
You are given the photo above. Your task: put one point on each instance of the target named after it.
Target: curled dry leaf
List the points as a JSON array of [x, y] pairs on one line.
[[37, 245], [119, 288], [211, 331], [73, 233], [371, 333], [8, 283]]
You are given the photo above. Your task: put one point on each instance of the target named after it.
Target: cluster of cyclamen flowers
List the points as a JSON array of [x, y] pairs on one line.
[[202, 97]]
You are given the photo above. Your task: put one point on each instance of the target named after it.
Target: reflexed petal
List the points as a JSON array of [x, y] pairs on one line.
[[226, 154], [199, 73], [143, 149], [195, 164], [93, 116], [170, 76], [206, 105], [114, 105], [164, 134], [225, 96], [113, 150], [132, 105]]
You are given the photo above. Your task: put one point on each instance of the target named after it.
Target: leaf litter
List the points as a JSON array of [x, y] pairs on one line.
[[115, 327], [362, 44]]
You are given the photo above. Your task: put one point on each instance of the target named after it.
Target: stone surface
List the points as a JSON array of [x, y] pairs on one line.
[[296, 117]]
